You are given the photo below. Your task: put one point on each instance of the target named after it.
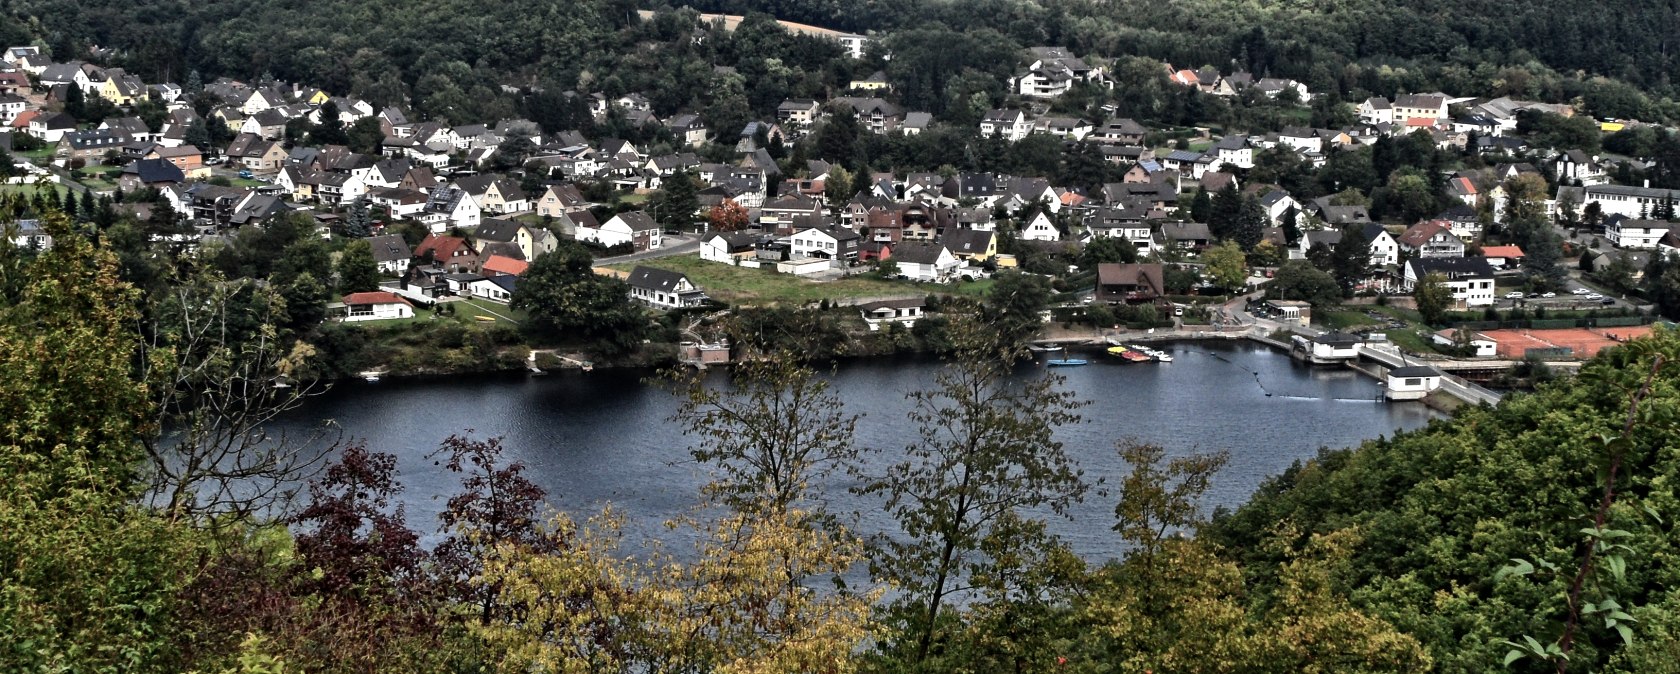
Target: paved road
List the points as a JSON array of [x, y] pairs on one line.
[[673, 245]]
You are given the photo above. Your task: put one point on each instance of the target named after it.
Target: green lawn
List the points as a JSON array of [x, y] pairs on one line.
[[466, 313], [40, 156], [762, 286], [1344, 319], [633, 199], [29, 190]]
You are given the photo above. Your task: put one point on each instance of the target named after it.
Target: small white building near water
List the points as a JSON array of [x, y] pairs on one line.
[[903, 312], [1411, 383], [376, 306]]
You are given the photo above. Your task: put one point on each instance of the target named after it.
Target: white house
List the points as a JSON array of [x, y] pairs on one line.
[[728, 247], [1040, 229], [1636, 234], [29, 235], [1376, 111], [1010, 125], [1480, 345], [1624, 200], [1234, 150], [927, 262], [390, 253], [498, 289], [1330, 347], [1469, 278], [829, 244], [903, 312], [1433, 238], [376, 306], [1412, 383], [632, 227], [450, 207], [1385, 250], [664, 289]]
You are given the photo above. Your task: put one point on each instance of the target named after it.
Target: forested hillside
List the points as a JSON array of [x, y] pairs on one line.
[[450, 55]]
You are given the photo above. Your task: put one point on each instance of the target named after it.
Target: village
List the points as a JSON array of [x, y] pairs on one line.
[[1440, 226]]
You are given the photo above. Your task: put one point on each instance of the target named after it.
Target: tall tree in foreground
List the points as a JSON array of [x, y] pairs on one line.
[[986, 456], [772, 432], [1433, 297]]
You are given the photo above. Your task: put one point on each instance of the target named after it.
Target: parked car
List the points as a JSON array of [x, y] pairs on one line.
[[1514, 295], [1549, 295], [1594, 296], [247, 174], [1579, 291], [1607, 301]]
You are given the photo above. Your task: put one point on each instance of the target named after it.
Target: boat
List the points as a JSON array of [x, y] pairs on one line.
[[1127, 353], [1064, 361], [371, 376], [1042, 348]]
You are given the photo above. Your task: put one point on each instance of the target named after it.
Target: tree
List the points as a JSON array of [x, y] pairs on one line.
[[1350, 260], [1157, 499], [1201, 206], [1433, 297], [727, 216], [1226, 266], [358, 222], [770, 435], [1013, 305], [986, 458], [564, 297], [1299, 280], [1249, 228], [496, 509], [357, 272], [1226, 208], [677, 202], [838, 188], [330, 130], [1106, 249]]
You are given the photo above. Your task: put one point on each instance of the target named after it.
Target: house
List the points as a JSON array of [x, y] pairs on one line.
[[1480, 345], [1385, 251], [630, 227], [29, 235], [916, 122], [558, 200], [1636, 234], [688, 128], [188, 158], [90, 146], [1186, 235], [390, 253], [799, 113], [502, 265], [498, 289], [1430, 108], [145, 173], [1118, 131], [1669, 246], [1010, 125], [877, 81], [1628, 201], [1129, 283], [1341, 216], [453, 254], [1278, 203], [376, 306], [1040, 228], [664, 289], [11, 105], [51, 126], [1233, 150], [1431, 238], [1053, 71], [924, 261], [903, 312], [1469, 278], [829, 243], [1326, 238], [1413, 382], [1501, 257], [495, 193], [450, 207], [1066, 128], [252, 152], [530, 242], [728, 247], [970, 245], [1330, 347], [1579, 166], [874, 114], [1129, 223]]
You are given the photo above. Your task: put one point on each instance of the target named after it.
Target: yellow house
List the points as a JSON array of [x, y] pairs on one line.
[[316, 97], [1006, 262], [971, 244], [120, 88], [875, 82]]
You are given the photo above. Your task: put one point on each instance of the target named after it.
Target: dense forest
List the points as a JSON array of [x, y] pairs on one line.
[[451, 58]]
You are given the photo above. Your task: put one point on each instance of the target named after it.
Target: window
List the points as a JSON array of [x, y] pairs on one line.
[[1414, 382]]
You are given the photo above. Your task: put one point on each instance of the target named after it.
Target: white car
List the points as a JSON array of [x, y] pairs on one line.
[[1579, 291], [1594, 296], [1514, 295], [1549, 295]]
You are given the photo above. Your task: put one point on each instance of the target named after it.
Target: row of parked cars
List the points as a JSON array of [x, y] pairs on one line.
[[1583, 293]]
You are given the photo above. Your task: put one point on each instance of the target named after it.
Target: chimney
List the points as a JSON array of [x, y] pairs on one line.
[[1647, 182]]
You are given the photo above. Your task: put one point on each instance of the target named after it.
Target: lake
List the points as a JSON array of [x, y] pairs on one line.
[[604, 437]]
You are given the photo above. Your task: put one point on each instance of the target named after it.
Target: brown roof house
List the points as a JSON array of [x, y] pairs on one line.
[[1129, 283]]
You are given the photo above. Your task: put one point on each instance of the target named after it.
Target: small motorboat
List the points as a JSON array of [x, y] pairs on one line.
[[1127, 353]]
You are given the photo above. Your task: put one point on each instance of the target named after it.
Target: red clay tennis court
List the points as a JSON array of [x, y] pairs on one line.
[[1583, 342]]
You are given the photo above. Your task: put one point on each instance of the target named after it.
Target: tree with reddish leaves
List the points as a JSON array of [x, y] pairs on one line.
[[497, 505], [727, 216], [352, 532]]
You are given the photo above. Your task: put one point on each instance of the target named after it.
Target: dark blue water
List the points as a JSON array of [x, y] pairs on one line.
[[603, 437]]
